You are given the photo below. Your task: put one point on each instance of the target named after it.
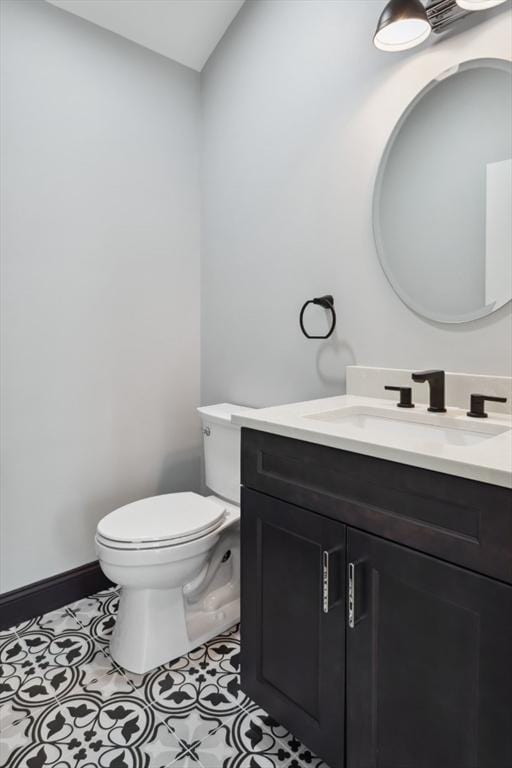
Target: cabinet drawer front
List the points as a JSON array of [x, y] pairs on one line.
[[463, 521]]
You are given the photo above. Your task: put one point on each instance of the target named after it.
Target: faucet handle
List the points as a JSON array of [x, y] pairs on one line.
[[405, 396], [477, 405]]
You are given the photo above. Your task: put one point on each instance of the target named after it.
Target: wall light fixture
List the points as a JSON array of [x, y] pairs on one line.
[[404, 24]]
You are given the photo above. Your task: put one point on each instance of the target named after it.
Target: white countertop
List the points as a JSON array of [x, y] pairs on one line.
[[488, 461]]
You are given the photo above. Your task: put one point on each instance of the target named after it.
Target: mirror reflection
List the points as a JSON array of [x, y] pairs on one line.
[[443, 197]]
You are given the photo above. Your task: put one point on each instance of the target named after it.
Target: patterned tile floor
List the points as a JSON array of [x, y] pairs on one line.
[[64, 703]]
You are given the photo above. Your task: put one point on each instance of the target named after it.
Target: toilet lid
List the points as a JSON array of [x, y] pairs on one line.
[[170, 518]]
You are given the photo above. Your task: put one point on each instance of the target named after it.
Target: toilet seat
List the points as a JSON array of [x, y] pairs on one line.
[[161, 521]]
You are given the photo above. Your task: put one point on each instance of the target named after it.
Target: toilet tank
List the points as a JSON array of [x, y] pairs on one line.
[[221, 441]]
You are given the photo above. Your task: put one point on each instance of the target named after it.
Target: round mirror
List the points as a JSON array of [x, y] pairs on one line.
[[443, 196]]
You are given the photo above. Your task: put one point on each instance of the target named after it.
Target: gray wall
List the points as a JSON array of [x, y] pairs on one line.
[[100, 248], [297, 108], [100, 283]]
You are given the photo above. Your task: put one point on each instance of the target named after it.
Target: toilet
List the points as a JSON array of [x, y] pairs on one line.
[[176, 557]]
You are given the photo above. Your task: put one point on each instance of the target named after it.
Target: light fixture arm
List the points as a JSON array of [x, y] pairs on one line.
[[443, 13]]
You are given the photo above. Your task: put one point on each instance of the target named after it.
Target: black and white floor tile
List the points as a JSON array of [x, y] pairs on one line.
[[64, 703]]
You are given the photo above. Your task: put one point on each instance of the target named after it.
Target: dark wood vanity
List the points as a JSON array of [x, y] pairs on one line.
[[376, 606]]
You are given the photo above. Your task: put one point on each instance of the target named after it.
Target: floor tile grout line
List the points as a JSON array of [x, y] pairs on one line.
[[188, 752], [239, 709], [173, 733], [210, 733], [198, 761], [17, 723]]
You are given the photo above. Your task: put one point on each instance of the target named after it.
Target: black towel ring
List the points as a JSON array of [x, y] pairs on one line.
[[327, 302]]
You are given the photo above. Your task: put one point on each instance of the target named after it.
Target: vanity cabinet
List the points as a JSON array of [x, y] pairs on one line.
[[293, 618], [371, 626], [429, 680]]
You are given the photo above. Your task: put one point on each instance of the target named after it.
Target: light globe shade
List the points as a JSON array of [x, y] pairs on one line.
[[478, 5], [402, 24]]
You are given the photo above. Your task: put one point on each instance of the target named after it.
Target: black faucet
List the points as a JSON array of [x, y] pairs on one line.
[[436, 383]]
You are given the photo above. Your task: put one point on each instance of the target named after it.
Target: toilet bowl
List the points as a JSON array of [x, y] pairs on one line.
[[176, 558]]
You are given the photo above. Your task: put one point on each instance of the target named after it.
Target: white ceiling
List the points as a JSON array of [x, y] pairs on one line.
[[184, 30]]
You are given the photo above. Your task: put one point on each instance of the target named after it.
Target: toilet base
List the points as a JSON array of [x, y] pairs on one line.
[[153, 627], [204, 625], [150, 626]]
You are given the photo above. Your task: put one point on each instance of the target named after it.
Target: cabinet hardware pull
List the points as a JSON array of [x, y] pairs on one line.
[[351, 595], [332, 595], [325, 581]]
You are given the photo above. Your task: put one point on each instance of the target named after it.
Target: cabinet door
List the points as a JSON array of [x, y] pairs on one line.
[[429, 662], [293, 628]]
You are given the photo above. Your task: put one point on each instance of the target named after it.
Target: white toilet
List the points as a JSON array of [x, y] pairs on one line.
[[177, 557]]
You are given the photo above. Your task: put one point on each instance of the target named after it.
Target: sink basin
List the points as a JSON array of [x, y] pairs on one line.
[[380, 424]]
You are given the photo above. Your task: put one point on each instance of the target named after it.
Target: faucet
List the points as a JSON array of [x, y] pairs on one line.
[[436, 383]]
